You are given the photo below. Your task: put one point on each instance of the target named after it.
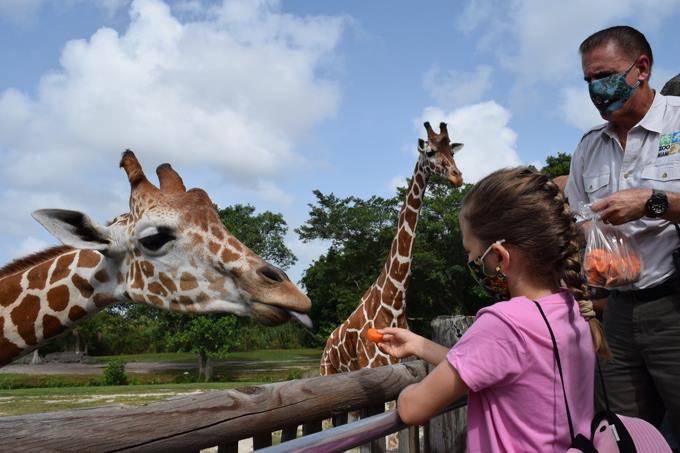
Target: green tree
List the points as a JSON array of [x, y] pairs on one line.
[[360, 234], [263, 233], [204, 335], [557, 165]]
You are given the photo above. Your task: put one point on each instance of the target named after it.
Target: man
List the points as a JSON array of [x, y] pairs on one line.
[[629, 169]]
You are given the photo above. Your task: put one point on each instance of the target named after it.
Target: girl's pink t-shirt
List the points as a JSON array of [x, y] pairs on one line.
[[515, 403]]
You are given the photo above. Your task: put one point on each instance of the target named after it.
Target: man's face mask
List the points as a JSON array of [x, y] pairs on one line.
[[496, 284], [611, 92]]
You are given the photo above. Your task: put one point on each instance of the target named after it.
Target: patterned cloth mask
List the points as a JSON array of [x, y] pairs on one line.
[[611, 92], [496, 285]]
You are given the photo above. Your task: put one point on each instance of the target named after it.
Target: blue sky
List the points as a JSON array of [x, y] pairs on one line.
[[261, 102]]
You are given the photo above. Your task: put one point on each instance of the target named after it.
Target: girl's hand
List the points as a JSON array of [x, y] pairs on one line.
[[399, 342]]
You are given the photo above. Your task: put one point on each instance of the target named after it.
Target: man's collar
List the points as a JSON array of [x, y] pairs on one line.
[[653, 119]]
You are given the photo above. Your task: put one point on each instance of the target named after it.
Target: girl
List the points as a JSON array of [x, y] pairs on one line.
[[521, 240]]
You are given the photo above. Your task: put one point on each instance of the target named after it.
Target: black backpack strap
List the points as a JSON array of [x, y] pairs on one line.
[[559, 368]]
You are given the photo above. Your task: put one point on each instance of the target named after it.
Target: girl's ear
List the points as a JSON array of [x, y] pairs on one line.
[[503, 254]]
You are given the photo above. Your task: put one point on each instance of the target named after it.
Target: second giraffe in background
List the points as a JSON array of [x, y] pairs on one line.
[[384, 303]]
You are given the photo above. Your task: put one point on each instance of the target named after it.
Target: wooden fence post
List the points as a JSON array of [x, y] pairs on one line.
[[448, 432]]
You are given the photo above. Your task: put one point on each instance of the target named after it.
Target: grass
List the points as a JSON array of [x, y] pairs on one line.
[[27, 393], [29, 401], [187, 357]]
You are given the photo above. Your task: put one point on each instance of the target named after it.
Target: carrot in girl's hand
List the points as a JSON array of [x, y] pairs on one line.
[[373, 335]]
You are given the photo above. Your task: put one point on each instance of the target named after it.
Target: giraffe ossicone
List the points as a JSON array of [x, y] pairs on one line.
[[170, 251], [384, 303]]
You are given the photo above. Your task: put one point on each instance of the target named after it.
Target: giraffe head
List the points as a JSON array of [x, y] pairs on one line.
[[172, 251], [436, 154]]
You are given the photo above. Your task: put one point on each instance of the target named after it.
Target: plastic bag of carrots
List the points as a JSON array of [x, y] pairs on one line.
[[611, 258]]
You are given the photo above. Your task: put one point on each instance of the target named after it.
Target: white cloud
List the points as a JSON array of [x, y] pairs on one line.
[[306, 253], [396, 182], [483, 129], [538, 40], [578, 109], [455, 88], [225, 92]]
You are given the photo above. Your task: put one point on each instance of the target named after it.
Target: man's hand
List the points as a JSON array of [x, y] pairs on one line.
[[623, 206]]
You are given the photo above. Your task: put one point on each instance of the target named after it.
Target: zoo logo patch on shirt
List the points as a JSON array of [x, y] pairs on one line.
[[669, 144]]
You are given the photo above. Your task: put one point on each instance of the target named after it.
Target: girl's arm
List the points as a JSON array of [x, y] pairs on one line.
[[421, 401], [403, 343]]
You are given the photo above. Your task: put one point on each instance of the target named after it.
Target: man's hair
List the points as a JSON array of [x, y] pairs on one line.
[[631, 42]]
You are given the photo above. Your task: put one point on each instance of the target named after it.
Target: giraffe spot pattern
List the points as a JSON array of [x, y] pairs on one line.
[[236, 245], [214, 247], [62, 268], [157, 288], [137, 282], [24, 317], [147, 268], [52, 326], [57, 297], [11, 289], [102, 300], [157, 301], [82, 285], [102, 276], [229, 256], [88, 258], [217, 232], [167, 282], [76, 312], [187, 282], [8, 350], [37, 277]]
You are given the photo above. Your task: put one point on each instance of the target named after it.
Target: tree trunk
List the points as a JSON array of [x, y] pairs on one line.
[[204, 366], [36, 358]]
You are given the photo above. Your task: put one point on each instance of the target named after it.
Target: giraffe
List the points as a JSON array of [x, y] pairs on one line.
[[170, 251], [384, 303]]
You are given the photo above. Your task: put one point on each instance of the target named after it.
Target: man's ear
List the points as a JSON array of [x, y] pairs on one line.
[[74, 228]]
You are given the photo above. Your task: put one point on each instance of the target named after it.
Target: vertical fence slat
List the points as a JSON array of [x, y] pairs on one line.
[[448, 432], [289, 433], [311, 427], [378, 445], [262, 440], [228, 448], [340, 419]]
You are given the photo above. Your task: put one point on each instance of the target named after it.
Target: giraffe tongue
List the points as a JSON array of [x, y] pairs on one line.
[[301, 318]]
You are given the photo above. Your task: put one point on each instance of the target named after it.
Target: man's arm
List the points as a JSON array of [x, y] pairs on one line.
[[630, 204]]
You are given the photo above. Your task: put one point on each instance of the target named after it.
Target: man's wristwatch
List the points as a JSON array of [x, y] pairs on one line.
[[657, 204]]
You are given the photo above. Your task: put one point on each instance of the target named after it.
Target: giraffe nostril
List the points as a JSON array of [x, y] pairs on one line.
[[272, 273]]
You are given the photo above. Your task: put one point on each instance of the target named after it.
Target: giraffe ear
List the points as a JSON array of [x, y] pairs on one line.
[[73, 228], [455, 147], [421, 145]]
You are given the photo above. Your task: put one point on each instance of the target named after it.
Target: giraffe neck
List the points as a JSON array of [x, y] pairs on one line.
[[394, 277], [46, 299]]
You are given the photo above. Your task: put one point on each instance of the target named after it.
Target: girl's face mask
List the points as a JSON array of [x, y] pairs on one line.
[[496, 284], [611, 92]]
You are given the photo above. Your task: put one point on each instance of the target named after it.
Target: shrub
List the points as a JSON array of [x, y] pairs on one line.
[[114, 373]]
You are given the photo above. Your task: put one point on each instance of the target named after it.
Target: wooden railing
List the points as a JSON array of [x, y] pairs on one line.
[[216, 418]]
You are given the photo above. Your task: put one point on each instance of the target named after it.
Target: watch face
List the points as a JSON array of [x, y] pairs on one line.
[[657, 204]]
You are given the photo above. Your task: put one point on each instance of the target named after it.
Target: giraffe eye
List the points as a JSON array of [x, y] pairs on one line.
[[156, 241], [430, 153]]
